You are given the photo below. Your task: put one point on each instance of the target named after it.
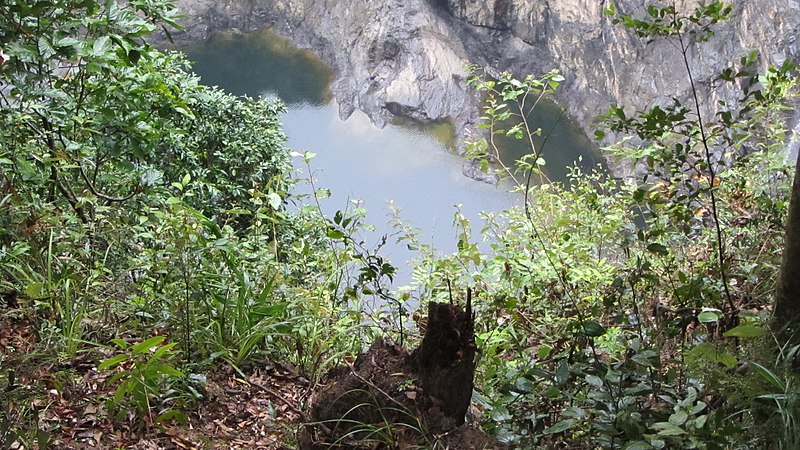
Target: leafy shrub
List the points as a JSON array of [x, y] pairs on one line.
[[143, 370]]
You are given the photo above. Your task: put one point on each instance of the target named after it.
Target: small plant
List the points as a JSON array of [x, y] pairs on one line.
[[144, 371], [782, 397]]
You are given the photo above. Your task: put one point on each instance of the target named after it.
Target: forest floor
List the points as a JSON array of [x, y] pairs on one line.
[[66, 400]]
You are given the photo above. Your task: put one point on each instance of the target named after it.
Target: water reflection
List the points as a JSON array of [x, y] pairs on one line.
[[562, 142], [262, 65], [405, 163], [410, 169]]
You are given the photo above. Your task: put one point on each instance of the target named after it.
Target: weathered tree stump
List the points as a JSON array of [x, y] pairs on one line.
[[446, 359], [428, 390]]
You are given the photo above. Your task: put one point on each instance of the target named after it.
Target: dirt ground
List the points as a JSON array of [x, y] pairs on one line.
[[375, 403], [66, 401], [392, 398]]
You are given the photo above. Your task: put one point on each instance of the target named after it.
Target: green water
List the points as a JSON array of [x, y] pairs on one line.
[[561, 142], [262, 65]]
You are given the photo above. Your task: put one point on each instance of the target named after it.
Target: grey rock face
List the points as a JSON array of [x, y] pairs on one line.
[[490, 14], [407, 57], [392, 58], [471, 168]]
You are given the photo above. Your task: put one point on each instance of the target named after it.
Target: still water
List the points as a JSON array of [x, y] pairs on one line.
[[408, 167]]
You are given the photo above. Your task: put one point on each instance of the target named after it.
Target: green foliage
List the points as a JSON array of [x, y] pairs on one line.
[[143, 370], [611, 313], [19, 421], [137, 200], [774, 396], [507, 104], [670, 20], [614, 313], [119, 168]]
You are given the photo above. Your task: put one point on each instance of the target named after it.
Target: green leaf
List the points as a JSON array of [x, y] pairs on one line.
[[574, 412], [708, 352], [101, 45], [500, 414], [769, 376], [697, 408], [35, 290], [638, 445], [112, 362], [562, 373], [274, 200], [161, 351], [594, 381], [544, 351], [679, 418], [120, 343], [505, 435], [524, 385], [668, 429], [658, 249], [745, 331], [184, 112], [173, 415], [333, 233], [45, 49], [552, 392], [43, 438], [592, 328], [145, 346], [560, 427], [164, 369], [709, 316], [67, 42]]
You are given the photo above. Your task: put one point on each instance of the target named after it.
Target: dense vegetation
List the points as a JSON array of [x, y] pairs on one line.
[[149, 233]]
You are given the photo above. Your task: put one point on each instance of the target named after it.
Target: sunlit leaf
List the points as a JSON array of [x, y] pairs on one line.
[[745, 331]]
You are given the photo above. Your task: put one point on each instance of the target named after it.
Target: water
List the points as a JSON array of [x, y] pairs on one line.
[[262, 64], [562, 143], [407, 165]]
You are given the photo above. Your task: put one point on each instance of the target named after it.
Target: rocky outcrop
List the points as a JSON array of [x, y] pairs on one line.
[[407, 57], [490, 14], [472, 168], [391, 58]]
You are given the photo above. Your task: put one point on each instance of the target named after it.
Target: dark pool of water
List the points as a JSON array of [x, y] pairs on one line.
[[262, 64], [561, 143]]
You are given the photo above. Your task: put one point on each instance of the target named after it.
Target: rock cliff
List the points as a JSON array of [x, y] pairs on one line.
[[392, 58], [407, 57]]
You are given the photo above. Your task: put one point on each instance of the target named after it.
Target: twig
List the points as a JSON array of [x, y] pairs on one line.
[[101, 195], [276, 395]]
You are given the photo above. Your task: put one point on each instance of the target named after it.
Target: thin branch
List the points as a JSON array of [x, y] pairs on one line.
[[712, 176], [69, 195], [54, 176], [101, 195], [275, 395]]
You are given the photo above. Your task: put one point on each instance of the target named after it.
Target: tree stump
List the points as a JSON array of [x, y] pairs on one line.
[[446, 359], [411, 397]]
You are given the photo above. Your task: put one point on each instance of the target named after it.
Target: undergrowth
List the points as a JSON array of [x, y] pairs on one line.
[[150, 232]]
